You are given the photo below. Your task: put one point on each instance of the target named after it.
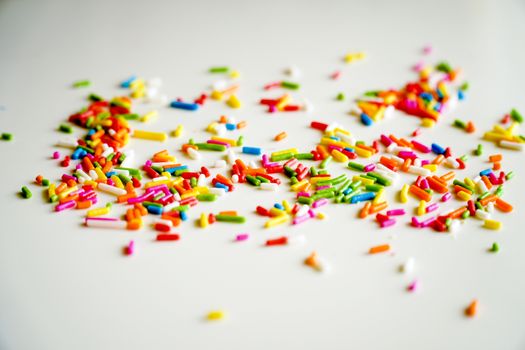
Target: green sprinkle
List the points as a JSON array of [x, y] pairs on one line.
[[109, 205], [464, 185], [340, 97], [95, 98], [460, 124], [305, 200], [81, 84], [464, 86], [182, 208], [223, 69], [499, 191], [494, 248], [301, 156], [356, 166], [289, 171], [444, 67], [484, 195], [379, 178], [372, 93], [479, 150], [230, 218], [262, 179], [53, 198], [284, 156], [509, 176], [193, 182], [129, 116], [464, 157], [448, 222], [313, 171], [7, 136], [26, 193], [293, 180], [465, 214], [207, 197], [373, 188], [240, 141], [290, 85], [325, 162], [65, 128], [516, 116], [253, 180], [210, 147], [45, 182]]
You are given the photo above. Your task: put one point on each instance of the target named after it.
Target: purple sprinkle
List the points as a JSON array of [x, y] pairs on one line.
[[320, 203], [242, 237]]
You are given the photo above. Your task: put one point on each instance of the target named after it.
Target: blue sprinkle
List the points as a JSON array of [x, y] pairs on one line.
[[183, 215], [126, 83], [461, 95], [366, 120], [155, 210], [251, 150], [348, 191], [231, 126], [349, 149], [485, 172], [437, 149], [174, 169], [278, 206], [363, 197], [184, 105], [220, 185], [426, 96]]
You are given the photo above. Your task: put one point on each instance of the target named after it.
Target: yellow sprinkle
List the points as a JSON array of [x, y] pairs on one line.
[[287, 206], [203, 222], [339, 156], [51, 190], [274, 212], [428, 122], [363, 152], [291, 150], [216, 315], [321, 216], [231, 142], [492, 224], [379, 197], [216, 95], [351, 57], [178, 131], [276, 221], [148, 117], [296, 187], [117, 181], [431, 167], [282, 102], [234, 102], [403, 194], [150, 135], [342, 131], [422, 208], [191, 193], [316, 179], [97, 212], [469, 182], [100, 174], [329, 141], [464, 196], [235, 74], [364, 180]]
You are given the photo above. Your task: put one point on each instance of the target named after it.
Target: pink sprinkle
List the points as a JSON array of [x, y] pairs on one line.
[[149, 162], [335, 75], [386, 141], [130, 249], [395, 212], [272, 108], [322, 187], [412, 287], [446, 197], [56, 155], [427, 222], [427, 50], [272, 85], [215, 142], [419, 66], [242, 237], [300, 219], [432, 207], [320, 203], [303, 194], [311, 213], [420, 147], [369, 167], [424, 184], [65, 205], [415, 222], [387, 223]]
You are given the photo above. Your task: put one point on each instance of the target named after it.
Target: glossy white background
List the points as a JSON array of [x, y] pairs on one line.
[[64, 286]]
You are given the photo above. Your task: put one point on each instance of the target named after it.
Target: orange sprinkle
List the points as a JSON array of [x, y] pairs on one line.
[[39, 179], [229, 213], [242, 124], [487, 182], [420, 193], [470, 128], [503, 206], [406, 164], [495, 158], [378, 207], [312, 260], [322, 150], [436, 184], [488, 199], [448, 176], [280, 136], [472, 309], [379, 249], [458, 189], [223, 119], [497, 166], [363, 213], [457, 213], [84, 204], [61, 187], [439, 159]]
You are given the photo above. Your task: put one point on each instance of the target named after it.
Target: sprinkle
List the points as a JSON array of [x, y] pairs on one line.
[[280, 136], [219, 69], [494, 248], [216, 315], [184, 105], [65, 128], [81, 84], [414, 286], [290, 85], [242, 237], [379, 249], [150, 135], [408, 266], [26, 193], [7, 136], [130, 248], [472, 309], [492, 224]]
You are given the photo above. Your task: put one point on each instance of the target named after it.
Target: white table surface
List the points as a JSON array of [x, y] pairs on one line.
[[64, 286]]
